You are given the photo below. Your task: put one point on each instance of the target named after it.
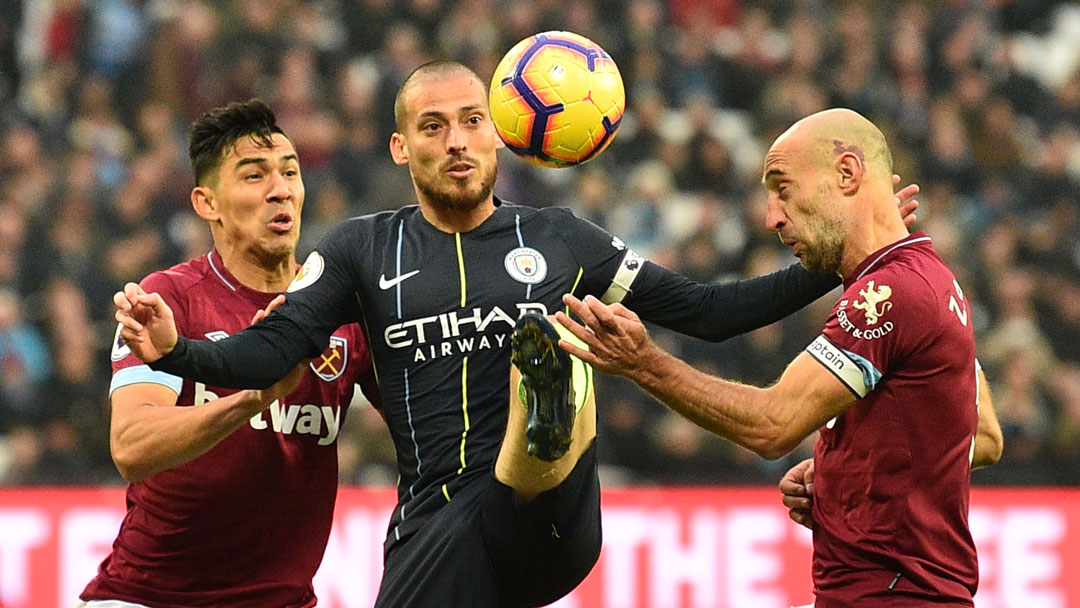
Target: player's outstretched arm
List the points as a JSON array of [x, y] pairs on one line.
[[768, 421], [989, 442], [797, 489], [149, 434], [723, 310], [256, 357]]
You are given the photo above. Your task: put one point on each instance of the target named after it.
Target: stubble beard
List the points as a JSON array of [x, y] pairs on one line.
[[826, 254], [271, 255], [455, 197]]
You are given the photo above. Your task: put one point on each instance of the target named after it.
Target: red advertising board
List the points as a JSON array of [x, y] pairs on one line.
[[663, 548]]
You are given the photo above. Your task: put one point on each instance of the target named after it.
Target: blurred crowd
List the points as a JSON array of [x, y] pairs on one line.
[[979, 99]]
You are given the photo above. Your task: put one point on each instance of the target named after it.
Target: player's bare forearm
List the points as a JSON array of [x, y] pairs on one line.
[[737, 412], [989, 442], [619, 344], [769, 421], [149, 435]]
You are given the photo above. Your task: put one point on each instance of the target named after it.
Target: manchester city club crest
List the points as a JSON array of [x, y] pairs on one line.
[[331, 363], [526, 265]]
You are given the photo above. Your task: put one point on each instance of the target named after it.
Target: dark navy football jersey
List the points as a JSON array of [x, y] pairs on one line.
[[438, 309]]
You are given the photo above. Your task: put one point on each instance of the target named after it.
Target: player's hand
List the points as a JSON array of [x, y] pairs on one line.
[[147, 322], [618, 341], [905, 201], [263, 313], [282, 387], [797, 487]]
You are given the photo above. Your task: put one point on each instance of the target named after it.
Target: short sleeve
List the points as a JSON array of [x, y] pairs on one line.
[[129, 369], [878, 323]]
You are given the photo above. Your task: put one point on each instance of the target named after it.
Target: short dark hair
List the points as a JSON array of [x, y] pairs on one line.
[[211, 136], [439, 66]]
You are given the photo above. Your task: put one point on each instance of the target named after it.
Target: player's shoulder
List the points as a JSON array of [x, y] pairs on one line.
[[562, 220], [351, 226], [549, 214], [372, 224], [178, 279], [910, 267], [894, 292]]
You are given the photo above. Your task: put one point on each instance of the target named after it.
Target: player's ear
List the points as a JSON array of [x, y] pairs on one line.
[[850, 173], [399, 150], [205, 203]]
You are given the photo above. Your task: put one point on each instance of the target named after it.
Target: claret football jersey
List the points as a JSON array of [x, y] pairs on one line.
[[892, 473], [246, 523]]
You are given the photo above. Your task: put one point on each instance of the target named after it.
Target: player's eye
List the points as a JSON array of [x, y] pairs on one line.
[[430, 127], [251, 177]]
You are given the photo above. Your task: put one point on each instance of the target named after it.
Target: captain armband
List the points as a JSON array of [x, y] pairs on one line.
[[858, 375], [629, 268]]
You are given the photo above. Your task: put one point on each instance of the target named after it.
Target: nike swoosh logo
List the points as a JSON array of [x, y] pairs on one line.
[[385, 283]]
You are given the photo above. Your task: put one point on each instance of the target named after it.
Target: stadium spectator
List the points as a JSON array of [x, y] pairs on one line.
[[193, 54]]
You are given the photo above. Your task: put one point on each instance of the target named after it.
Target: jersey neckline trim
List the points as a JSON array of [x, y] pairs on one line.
[[213, 266], [918, 237]]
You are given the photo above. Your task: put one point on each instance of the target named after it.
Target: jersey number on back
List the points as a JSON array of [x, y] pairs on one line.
[[956, 306]]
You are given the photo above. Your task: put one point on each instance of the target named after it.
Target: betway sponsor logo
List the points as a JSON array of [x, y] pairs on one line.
[[320, 420], [455, 331]]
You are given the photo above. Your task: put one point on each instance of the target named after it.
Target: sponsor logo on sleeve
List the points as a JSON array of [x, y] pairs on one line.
[[624, 277], [119, 348], [875, 302], [309, 273]]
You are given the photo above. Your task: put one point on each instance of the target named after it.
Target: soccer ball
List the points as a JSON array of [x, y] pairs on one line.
[[557, 99]]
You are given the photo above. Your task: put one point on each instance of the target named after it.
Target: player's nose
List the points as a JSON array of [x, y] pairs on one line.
[[455, 139], [280, 188], [775, 219]]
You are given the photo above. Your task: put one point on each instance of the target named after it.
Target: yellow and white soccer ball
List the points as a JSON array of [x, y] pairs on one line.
[[557, 99]]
